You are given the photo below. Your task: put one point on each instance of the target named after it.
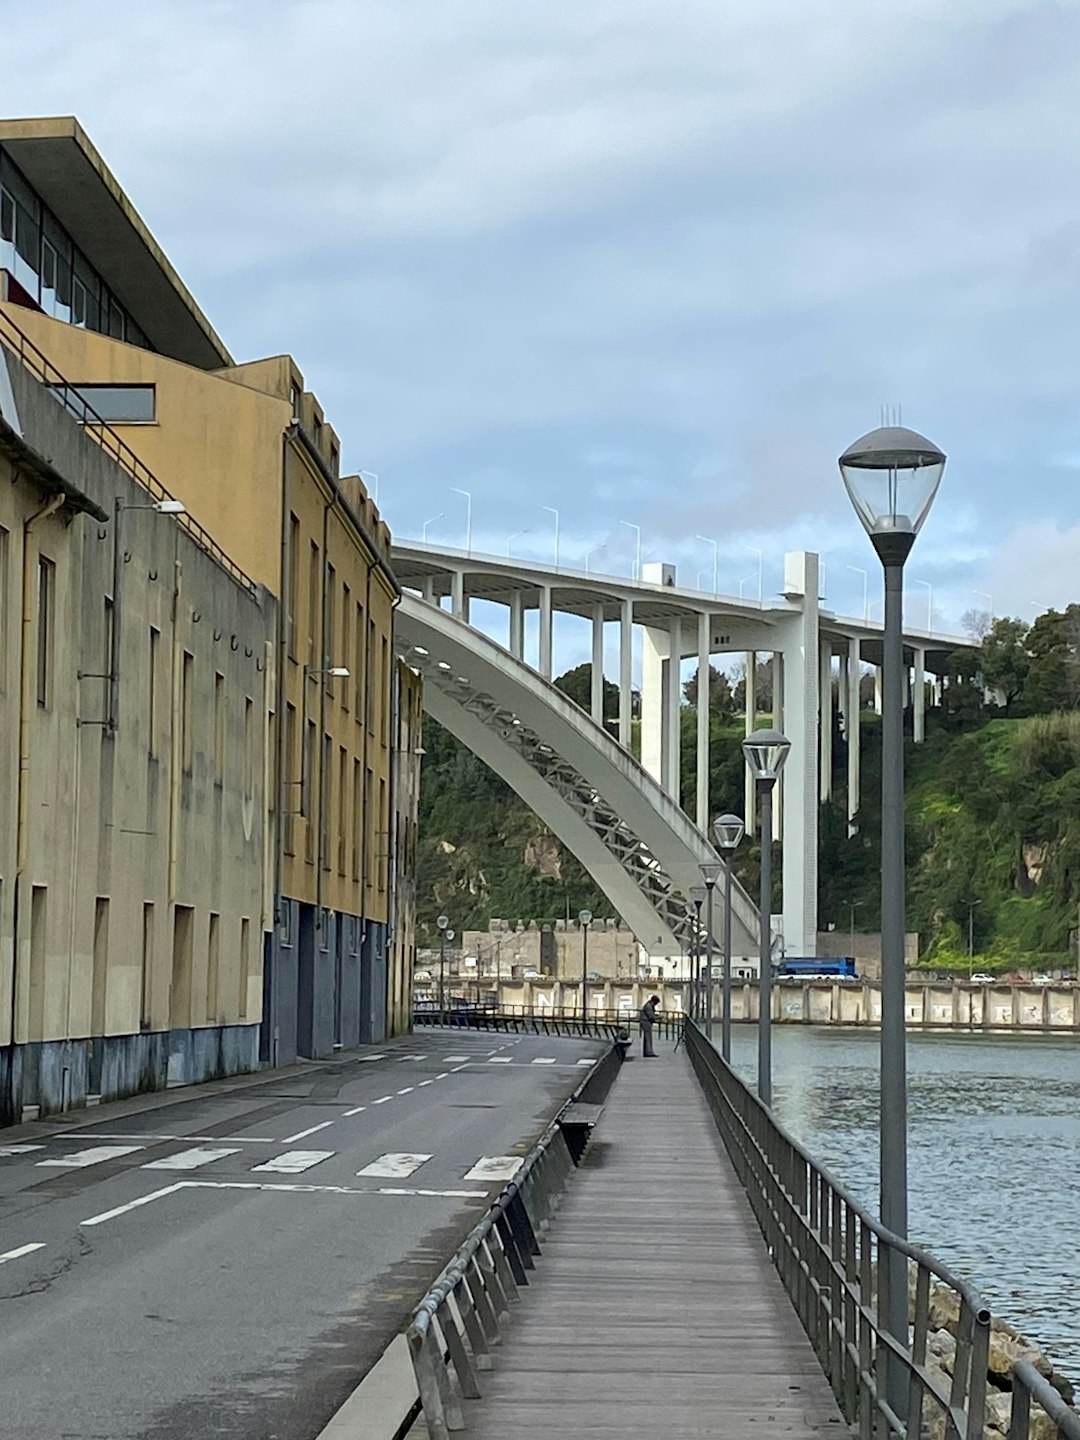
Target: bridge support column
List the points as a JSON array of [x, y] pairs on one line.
[[673, 729], [919, 723], [517, 625], [854, 676], [626, 670], [703, 678], [545, 632], [801, 681], [825, 687], [779, 710], [458, 603], [597, 696], [877, 689], [654, 646], [750, 791]]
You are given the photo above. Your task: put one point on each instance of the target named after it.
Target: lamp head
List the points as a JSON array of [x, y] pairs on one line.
[[891, 476], [766, 751], [697, 894], [711, 870], [728, 830], [442, 922], [340, 672], [585, 916], [171, 507]]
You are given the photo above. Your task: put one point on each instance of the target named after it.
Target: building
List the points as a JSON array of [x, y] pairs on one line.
[[136, 688], [249, 452]]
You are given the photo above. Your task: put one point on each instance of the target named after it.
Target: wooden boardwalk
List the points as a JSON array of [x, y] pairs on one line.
[[655, 1310]]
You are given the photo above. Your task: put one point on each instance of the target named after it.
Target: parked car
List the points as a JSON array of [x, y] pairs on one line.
[[981, 979]]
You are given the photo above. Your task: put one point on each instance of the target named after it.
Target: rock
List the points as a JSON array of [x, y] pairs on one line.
[[1005, 1349], [941, 1346]]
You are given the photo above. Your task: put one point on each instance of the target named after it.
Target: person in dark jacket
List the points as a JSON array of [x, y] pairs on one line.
[[649, 1016]]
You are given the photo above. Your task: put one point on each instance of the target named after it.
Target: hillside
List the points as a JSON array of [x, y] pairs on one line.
[[993, 815]]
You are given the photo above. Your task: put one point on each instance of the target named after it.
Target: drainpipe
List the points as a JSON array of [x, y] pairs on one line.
[[321, 677], [26, 705], [282, 789]]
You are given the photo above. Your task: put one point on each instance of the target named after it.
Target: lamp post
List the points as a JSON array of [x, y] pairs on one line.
[[552, 511], [637, 548], [468, 516], [891, 476], [710, 873], [585, 918], [424, 528], [697, 900], [765, 751], [715, 564], [441, 923], [728, 830]]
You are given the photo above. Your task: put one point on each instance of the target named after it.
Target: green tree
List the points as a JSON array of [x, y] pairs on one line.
[[721, 699], [1053, 643], [1004, 659]]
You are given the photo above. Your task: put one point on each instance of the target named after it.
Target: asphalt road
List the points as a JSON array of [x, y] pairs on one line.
[[230, 1264]]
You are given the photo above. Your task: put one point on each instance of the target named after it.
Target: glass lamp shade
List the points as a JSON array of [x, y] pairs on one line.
[[711, 870], [449, 934], [891, 476], [766, 751], [729, 831], [442, 922], [585, 916], [697, 894]]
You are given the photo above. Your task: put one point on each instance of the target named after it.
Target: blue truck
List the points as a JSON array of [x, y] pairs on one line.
[[816, 967]]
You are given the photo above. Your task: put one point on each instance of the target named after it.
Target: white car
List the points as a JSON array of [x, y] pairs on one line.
[[982, 979]]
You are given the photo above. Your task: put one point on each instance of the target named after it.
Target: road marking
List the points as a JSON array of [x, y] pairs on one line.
[[457, 1068], [382, 1100], [19, 1149], [495, 1167], [21, 1251], [425, 1082], [440, 1194], [363, 1059], [189, 1159], [79, 1159], [454, 1059], [404, 1058], [499, 1060], [544, 1061], [303, 1134], [585, 1062], [443, 1076], [355, 1111], [226, 1139], [134, 1204], [294, 1162], [395, 1167], [408, 1090]]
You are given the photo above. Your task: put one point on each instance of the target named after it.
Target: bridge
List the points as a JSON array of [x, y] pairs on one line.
[[619, 815]]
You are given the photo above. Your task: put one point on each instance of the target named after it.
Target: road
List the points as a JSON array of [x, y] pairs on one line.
[[230, 1264]]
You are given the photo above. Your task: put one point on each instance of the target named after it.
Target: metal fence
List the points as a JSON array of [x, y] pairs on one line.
[[461, 1318], [835, 1260], [564, 1020]]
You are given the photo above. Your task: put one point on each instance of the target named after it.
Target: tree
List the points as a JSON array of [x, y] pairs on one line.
[[576, 684], [1053, 642], [764, 687], [1004, 659], [721, 700], [977, 623]]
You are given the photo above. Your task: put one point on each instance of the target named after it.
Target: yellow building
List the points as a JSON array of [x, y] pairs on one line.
[[248, 451]]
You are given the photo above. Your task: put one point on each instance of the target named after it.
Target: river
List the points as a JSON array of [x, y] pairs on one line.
[[994, 1147]]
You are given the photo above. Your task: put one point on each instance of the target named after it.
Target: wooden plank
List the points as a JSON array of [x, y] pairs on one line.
[[655, 1309]]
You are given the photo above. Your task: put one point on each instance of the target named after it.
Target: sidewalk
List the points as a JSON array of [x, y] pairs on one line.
[[655, 1310]]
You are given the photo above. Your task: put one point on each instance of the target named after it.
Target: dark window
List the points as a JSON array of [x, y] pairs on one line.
[[46, 604], [117, 404]]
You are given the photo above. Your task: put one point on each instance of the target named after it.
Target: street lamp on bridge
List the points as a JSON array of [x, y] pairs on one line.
[[697, 900], [765, 751], [891, 476], [441, 925], [710, 873], [728, 830], [585, 920]]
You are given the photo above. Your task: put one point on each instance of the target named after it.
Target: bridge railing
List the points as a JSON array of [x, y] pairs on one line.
[[834, 1259], [560, 1020]]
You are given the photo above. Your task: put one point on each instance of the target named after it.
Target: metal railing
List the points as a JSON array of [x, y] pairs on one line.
[[75, 403], [566, 1020], [461, 1318], [835, 1259]]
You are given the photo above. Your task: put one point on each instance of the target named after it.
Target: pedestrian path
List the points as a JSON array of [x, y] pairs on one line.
[[655, 1310]]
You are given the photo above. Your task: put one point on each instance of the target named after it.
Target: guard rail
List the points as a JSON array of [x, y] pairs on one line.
[[565, 1021]]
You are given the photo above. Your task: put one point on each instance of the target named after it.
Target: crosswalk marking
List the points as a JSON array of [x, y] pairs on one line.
[[79, 1159], [584, 1062], [294, 1162], [19, 1149], [402, 1059], [544, 1060], [189, 1159], [499, 1060], [454, 1059], [21, 1251], [395, 1167], [495, 1167]]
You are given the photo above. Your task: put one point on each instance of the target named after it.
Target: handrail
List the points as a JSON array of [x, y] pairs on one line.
[[1029, 1385], [69, 396], [565, 1020]]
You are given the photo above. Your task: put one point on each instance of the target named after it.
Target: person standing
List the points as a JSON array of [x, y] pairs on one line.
[[649, 1016]]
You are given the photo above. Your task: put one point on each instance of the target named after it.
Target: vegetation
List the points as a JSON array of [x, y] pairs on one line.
[[993, 811]]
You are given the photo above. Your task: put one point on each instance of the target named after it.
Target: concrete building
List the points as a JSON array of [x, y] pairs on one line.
[[249, 452], [135, 696]]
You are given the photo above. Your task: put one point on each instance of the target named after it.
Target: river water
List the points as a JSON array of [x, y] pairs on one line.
[[993, 1159]]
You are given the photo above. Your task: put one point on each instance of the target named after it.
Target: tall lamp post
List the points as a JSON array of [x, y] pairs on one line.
[[585, 920], [891, 476], [728, 830], [765, 751], [697, 900], [441, 923], [710, 873]]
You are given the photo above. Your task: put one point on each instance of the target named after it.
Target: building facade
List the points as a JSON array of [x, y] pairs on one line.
[[249, 452]]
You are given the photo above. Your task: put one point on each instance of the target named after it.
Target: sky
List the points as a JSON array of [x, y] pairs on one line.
[[656, 263]]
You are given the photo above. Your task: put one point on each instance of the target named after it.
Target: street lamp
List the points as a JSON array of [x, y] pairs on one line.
[[441, 924], [585, 918], [424, 530], [160, 507], [552, 511], [637, 552], [865, 582], [765, 751], [728, 830], [511, 538], [891, 476], [596, 549], [468, 517], [697, 900], [710, 873], [715, 559]]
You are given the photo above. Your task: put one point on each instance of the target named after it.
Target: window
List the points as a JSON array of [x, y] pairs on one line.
[[292, 597], [182, 956], [384, 692], [106, 664], [309, 763], [314, 591], [383, 862], [153, 718], [335, 457], [369, 695], [293, 797], [116, 404], [346, 640], [39, 930], [100, 971], [146, 984], [219, 727], [369, 781], [330, 601], [294, 400], [357, 820], [343, 808], [249, 748], [187, 712], [358, 665], [316, 430], [245, 964], [46, 605], [324, 818], [213, 966]]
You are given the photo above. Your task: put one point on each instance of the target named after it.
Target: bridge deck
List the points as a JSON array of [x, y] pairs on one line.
[[655, 1310]]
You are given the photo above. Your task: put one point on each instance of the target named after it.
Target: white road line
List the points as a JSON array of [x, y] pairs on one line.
[[443, 1076], [499, 1060], [209, 1139], [355, 1111], [586, 1062], [408, 1090], [458, 1068], [543, 1060], [21, 1251], [395, 1167], [440, 1194], [19, 1149], [425, 1082], [189, 1159], [79, 1159], [294, 1162], [495, 1167], [303, 1134], [382, 1100], [404, 1058], [454, 1059], [134, 1204]]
